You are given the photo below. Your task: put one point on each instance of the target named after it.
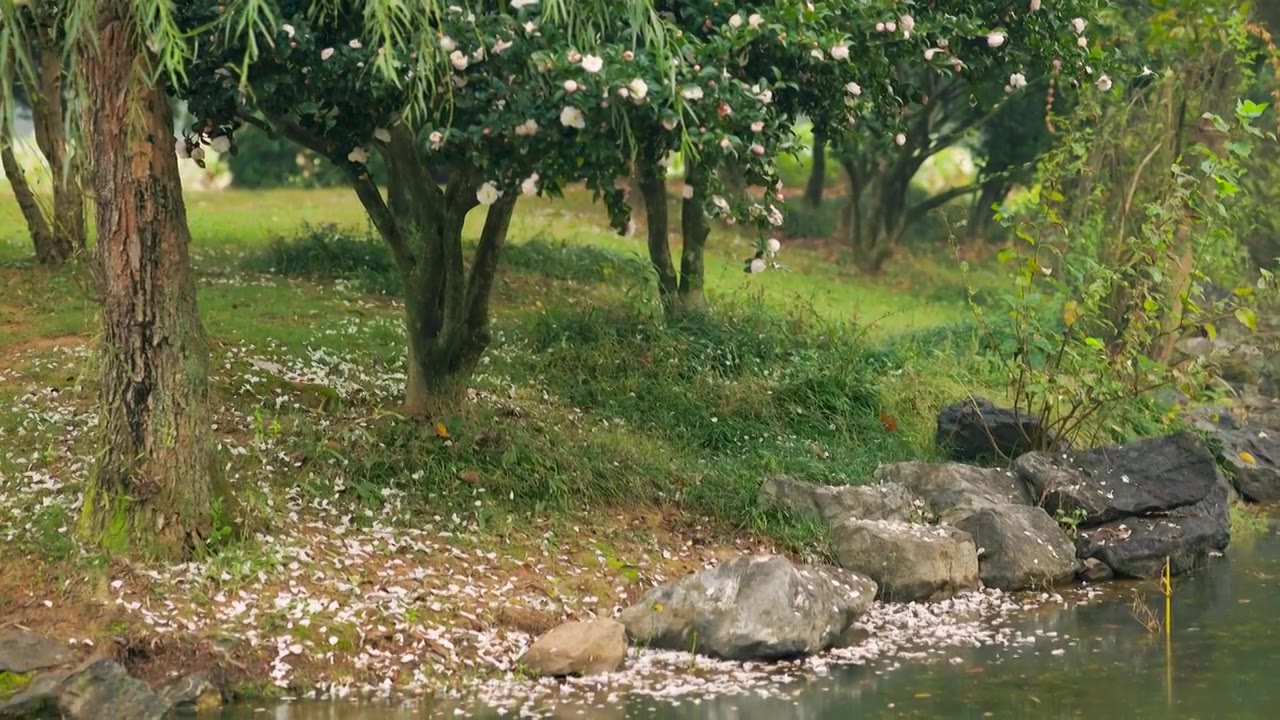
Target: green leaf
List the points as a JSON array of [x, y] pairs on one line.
[[1094, 342], [1250, 109], [1240, 148], [1005, 255], [1247, 318], [1211, 330]]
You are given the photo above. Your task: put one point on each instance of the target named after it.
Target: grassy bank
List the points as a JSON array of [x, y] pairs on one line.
[[603, 450]]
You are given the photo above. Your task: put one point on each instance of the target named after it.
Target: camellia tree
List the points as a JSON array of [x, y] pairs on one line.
[[500, 94]]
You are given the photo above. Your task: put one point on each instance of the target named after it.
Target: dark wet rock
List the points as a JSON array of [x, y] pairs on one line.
[[193, 693], [1136, 547], [832, 503], [975, 429], [1149, 476], [1020, 547], [952, 490], [102, 689], [908, 561], [1093, 570], [578, 649], [759, 607], [1252, 456], [38, 699], [22, 652]]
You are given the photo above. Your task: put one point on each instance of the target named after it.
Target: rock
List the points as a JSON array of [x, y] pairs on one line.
[[1136, 547], [952, 490], [832, 503], [193, 693], [1093, 570], [578, 648], [1020, 547], [1253, 458], [39, 699], [102, 689], [759, 607], [22, 652], [975, 429], [908, 561], [1149, 476]]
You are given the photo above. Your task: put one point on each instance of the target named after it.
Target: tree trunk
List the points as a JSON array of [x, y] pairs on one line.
[[981, 215], [694, 231], [653, 190], [51, 135], [816, 187], [152, 487], [49, 251]]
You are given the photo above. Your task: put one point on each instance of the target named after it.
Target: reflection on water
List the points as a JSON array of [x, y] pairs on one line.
[[1224, 663]]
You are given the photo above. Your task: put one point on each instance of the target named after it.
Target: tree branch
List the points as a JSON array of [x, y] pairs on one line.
[[939, 200], [484, 269]]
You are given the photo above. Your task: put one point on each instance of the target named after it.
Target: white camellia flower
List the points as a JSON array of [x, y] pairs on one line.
[[900, 139], [995, 39], [765, 96], [382, 134], [775, 217], [574, 57], [687, 192], [437, 139], [726, 144], [932, 52], [720, 203], [530, 185], [890, 26], [180, 147], [757, 265], [571, 86], [528, 127], [735, 20], [1082, 41], [757, 126], [326, 53], [1078, 24], [459, 59], [757, 149], [518, 4], [531, 27], [220, 144], [488, 194], [639, 88], [1103, 83], [358, 155], [1017, 81], [773, 245], [573, 117], [755, 20], [1035, 5], [288, 29], [592, 63], [840, 52], [447, 44], [355, 44], [853, 89], [501, 45], [816, 54], [908, 25], [691, 93]]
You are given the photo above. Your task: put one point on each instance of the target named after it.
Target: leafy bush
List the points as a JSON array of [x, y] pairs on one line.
[[802, 221]]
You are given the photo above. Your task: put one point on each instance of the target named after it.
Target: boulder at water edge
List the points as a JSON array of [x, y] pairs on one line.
[[908, 561], [1149, 476], [833, 503], [952, 490], [1020, 547], [759, 607], [1253, 460], [975, 429], [578, 648], [103, 689]]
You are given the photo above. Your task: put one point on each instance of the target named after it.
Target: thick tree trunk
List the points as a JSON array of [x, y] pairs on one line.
[[816, 187], [49, 250], [694, 231], [152, 486], [653, 189], [51, 135]]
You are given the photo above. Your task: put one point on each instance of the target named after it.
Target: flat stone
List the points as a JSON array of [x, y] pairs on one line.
[[760, 607], [908, 561], [578, 649], [952, 490], [1020, 547], [22, 652], [832, 503]]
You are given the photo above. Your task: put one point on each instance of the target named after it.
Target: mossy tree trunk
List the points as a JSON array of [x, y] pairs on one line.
[[694, 231], [49, 116], [151, 487]]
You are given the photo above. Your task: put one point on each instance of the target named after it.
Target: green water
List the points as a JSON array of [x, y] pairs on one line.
[[1223, 662]]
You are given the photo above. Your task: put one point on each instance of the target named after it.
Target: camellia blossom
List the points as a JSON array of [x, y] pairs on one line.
[[592, 63], [691, 93], [853, 89], [528, 127], [518, 4], [721, 204], [816, 54], [735, 20], [459, 60], [571, 86], [288, 29], [437, 139], [900, 139], [501, 45], [572, 117], [530, 185], [757, 149], [995, 39], [1017, 81], [358, 155], [326, 53], [757, 126], [773, 245], [1078, 24], [220, 144], [840, 52], [355, 44], [381, 134], [488, 194], [1035, 5], [765, 96], [1082, 41], [754, 21], [1103, 83], [639, 88], [447, 44], [908, 25], [931, 52], [757, 265]]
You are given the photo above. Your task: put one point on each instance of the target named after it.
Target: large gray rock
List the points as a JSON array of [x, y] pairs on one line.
[[1253, 460], [907, 560], [833, 503], [975, 429], [38, 699], [194, 693], [1149, 476], [1020, 547], [759, 607], [1136, 547], [22, 652], [578, 648], [952, 490], [103, 689]]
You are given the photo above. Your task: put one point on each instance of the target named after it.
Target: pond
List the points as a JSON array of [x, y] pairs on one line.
[[1090, 660]]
